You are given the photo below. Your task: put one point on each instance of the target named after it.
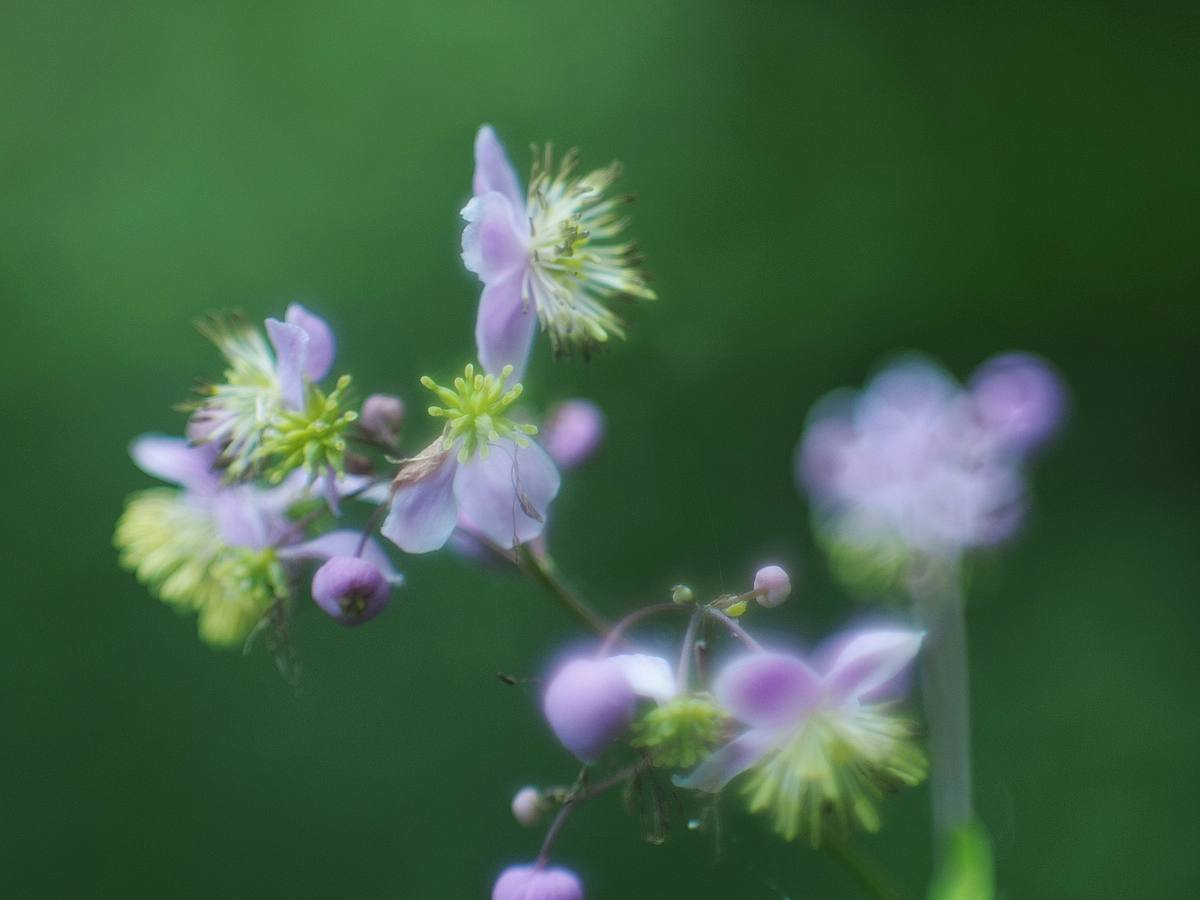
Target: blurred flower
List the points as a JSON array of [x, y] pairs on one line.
[[219, 550], [572, 432], [913, 464], [482, 469], [818, 744], [381, 417], [268, 413], [536, 882], [589, 703], [551, 255]]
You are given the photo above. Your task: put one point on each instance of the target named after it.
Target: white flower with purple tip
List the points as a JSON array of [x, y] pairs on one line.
[[551, 254], [819, 741], [483, 469]]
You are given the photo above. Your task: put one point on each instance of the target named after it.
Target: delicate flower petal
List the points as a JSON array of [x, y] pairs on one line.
[[321, 343], [493, 171], [291, 360], [243, 519], [175, 460], [423, 512], [492, 243], [344, 542], [505, 496], [767, 688], [649, 676], [728, 762], [504, 327], [870, 660], [589, 703], [1020, 400]]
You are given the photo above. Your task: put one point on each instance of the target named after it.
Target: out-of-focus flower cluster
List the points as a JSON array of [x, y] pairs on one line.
[[915, 468]]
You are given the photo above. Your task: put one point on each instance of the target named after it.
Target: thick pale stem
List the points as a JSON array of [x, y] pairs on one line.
[[946, 694]]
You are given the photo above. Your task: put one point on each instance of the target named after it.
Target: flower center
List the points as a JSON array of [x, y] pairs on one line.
[[474, 412], [576, 264]]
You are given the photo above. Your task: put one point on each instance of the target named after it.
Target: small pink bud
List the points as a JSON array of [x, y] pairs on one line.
[[772, 585], [589, 703], [350, 589], [382, 415], [527, 806], [537, 883], [572, 432], [1019, 398]]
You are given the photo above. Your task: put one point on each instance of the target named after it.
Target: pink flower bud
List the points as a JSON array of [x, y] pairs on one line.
[[382, 415], [772, 585], [572, 432], [537, 883], [589, 703], [350, 589], [527, 806]]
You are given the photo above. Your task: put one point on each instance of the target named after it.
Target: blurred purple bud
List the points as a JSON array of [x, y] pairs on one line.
[[350, 589], [1020, 399], [527, 806], [537, 883], [772, 585], [588, 704], [382, 415], [572, 432]]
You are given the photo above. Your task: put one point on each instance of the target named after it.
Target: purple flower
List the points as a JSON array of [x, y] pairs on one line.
[[1020, 400], [589, 702], [221, 550], [815, 736], [536, 882], [350, 589], [483, 470], [381, 416], [907, 465], [550, 254], [772, 585], [572, 432]]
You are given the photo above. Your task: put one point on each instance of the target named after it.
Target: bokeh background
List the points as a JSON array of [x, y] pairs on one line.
[[820, 185]]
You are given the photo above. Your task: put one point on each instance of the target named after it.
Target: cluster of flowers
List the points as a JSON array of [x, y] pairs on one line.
[[912, 468]]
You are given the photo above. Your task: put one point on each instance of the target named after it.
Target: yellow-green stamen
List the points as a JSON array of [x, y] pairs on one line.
[[474, 412]]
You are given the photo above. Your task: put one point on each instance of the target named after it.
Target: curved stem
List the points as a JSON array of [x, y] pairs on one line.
[[617, 631], [946, 695], [733, 628], [868, 874], [685, 653]]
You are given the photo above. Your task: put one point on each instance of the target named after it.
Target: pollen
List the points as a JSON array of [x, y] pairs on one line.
[[578, 263], [474, 410]]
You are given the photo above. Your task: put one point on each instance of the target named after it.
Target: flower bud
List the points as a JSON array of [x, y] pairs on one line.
[[382, 415], [681, 593], [772, 585], [350, 589], [537, 883], [588, 704], [527, 806], [572, 432], [1019, 399]]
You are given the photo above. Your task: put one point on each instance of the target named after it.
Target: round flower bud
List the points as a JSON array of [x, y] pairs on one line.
[[350, 589], [382, 415], [1019, 399], [681, 593], [588, 704], [527, 806], [537, 883], [572, 432], [772, 585]]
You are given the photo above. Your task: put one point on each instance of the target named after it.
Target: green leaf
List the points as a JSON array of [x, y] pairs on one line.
[[966, 872]]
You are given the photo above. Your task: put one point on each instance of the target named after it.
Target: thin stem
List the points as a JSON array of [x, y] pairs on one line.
[[946, 694], [868, 874], [582, 797], [733, 628], [617, 631], [543, 572], [369, 528], [685, 653]]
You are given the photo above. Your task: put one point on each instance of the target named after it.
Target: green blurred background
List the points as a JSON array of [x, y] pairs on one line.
[[820, 185]]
